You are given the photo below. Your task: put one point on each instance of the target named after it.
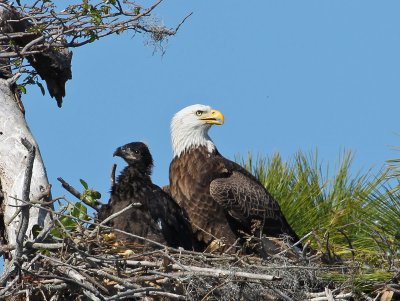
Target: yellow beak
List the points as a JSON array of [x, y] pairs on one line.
[[213, 117]]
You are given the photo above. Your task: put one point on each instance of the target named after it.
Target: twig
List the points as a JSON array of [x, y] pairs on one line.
[[160, 294], [94, 282], [9, 286], [31, 43], [305, 247], [10, 269], [77, 194], [69, 188], [210, 272], [13, 79], [88, 289], [214, 289], [33, 245], [44, 193], [183, 21], [292, 246], [281, 294], [329, 294], [113, 169], [232, 246], [46, 229], [198, 271], [16, 213], [145, 291], [174, 261], [323, 297], [111, 217], [115, 278], [131, 292], [394, 288], [46, 246]]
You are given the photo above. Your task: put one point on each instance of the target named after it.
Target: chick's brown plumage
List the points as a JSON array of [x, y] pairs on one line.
[[158, 218]]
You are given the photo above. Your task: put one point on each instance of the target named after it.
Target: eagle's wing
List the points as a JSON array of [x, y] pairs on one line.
[[245, 198], [135, 220], [242, 194], [171, 219]]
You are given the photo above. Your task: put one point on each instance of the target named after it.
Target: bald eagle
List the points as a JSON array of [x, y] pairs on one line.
[[158, 218], [223, 200]]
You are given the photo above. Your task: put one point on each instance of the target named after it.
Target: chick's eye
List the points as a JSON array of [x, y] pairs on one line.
[[136, 152], [199, 113]]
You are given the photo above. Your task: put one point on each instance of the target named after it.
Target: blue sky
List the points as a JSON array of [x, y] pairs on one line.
[[288, 75]]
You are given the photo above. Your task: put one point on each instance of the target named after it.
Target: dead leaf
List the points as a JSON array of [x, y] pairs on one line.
[[109, 282], [109, 236], [387, 296], [126, 253], [215, 245]]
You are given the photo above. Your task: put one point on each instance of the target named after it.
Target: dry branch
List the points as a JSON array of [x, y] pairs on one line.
[[77, 194], [24, 218], [88, 289], [35, 39], [113, 169], [327, 295], [34, 29]]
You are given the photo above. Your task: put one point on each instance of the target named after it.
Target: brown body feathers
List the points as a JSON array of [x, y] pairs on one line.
[[158, 218], [223, 200]]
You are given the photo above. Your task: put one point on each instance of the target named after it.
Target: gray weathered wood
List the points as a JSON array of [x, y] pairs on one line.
[[13, 162]]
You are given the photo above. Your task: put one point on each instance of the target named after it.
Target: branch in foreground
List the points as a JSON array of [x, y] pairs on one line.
[[24, 216], [113, 169], [207, 272], [77, 194], [153, 292], [190, 270]]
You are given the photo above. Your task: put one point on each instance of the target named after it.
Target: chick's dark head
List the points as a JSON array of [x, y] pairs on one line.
[[136, 154]]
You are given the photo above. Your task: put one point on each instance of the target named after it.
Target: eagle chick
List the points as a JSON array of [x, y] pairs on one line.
[[158, 218]]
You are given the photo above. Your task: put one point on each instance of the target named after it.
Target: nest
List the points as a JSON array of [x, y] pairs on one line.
[[75, 257], [92, 265]]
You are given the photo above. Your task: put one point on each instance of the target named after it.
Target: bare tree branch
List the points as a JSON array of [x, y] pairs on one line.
[[113, 169], [78, 24], [77, 194], [42, 33], [24, 217], [89, 290]]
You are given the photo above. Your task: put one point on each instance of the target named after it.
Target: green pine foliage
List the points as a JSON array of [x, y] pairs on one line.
[[354, 217]]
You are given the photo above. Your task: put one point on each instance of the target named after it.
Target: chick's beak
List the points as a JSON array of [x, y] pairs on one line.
[[118, 152], [213, 117]]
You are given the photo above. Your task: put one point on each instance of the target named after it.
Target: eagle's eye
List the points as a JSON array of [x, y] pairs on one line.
[[199, 113], [136, 152]]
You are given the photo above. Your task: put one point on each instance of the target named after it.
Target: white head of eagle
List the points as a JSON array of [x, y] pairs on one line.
[[189, 128]]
